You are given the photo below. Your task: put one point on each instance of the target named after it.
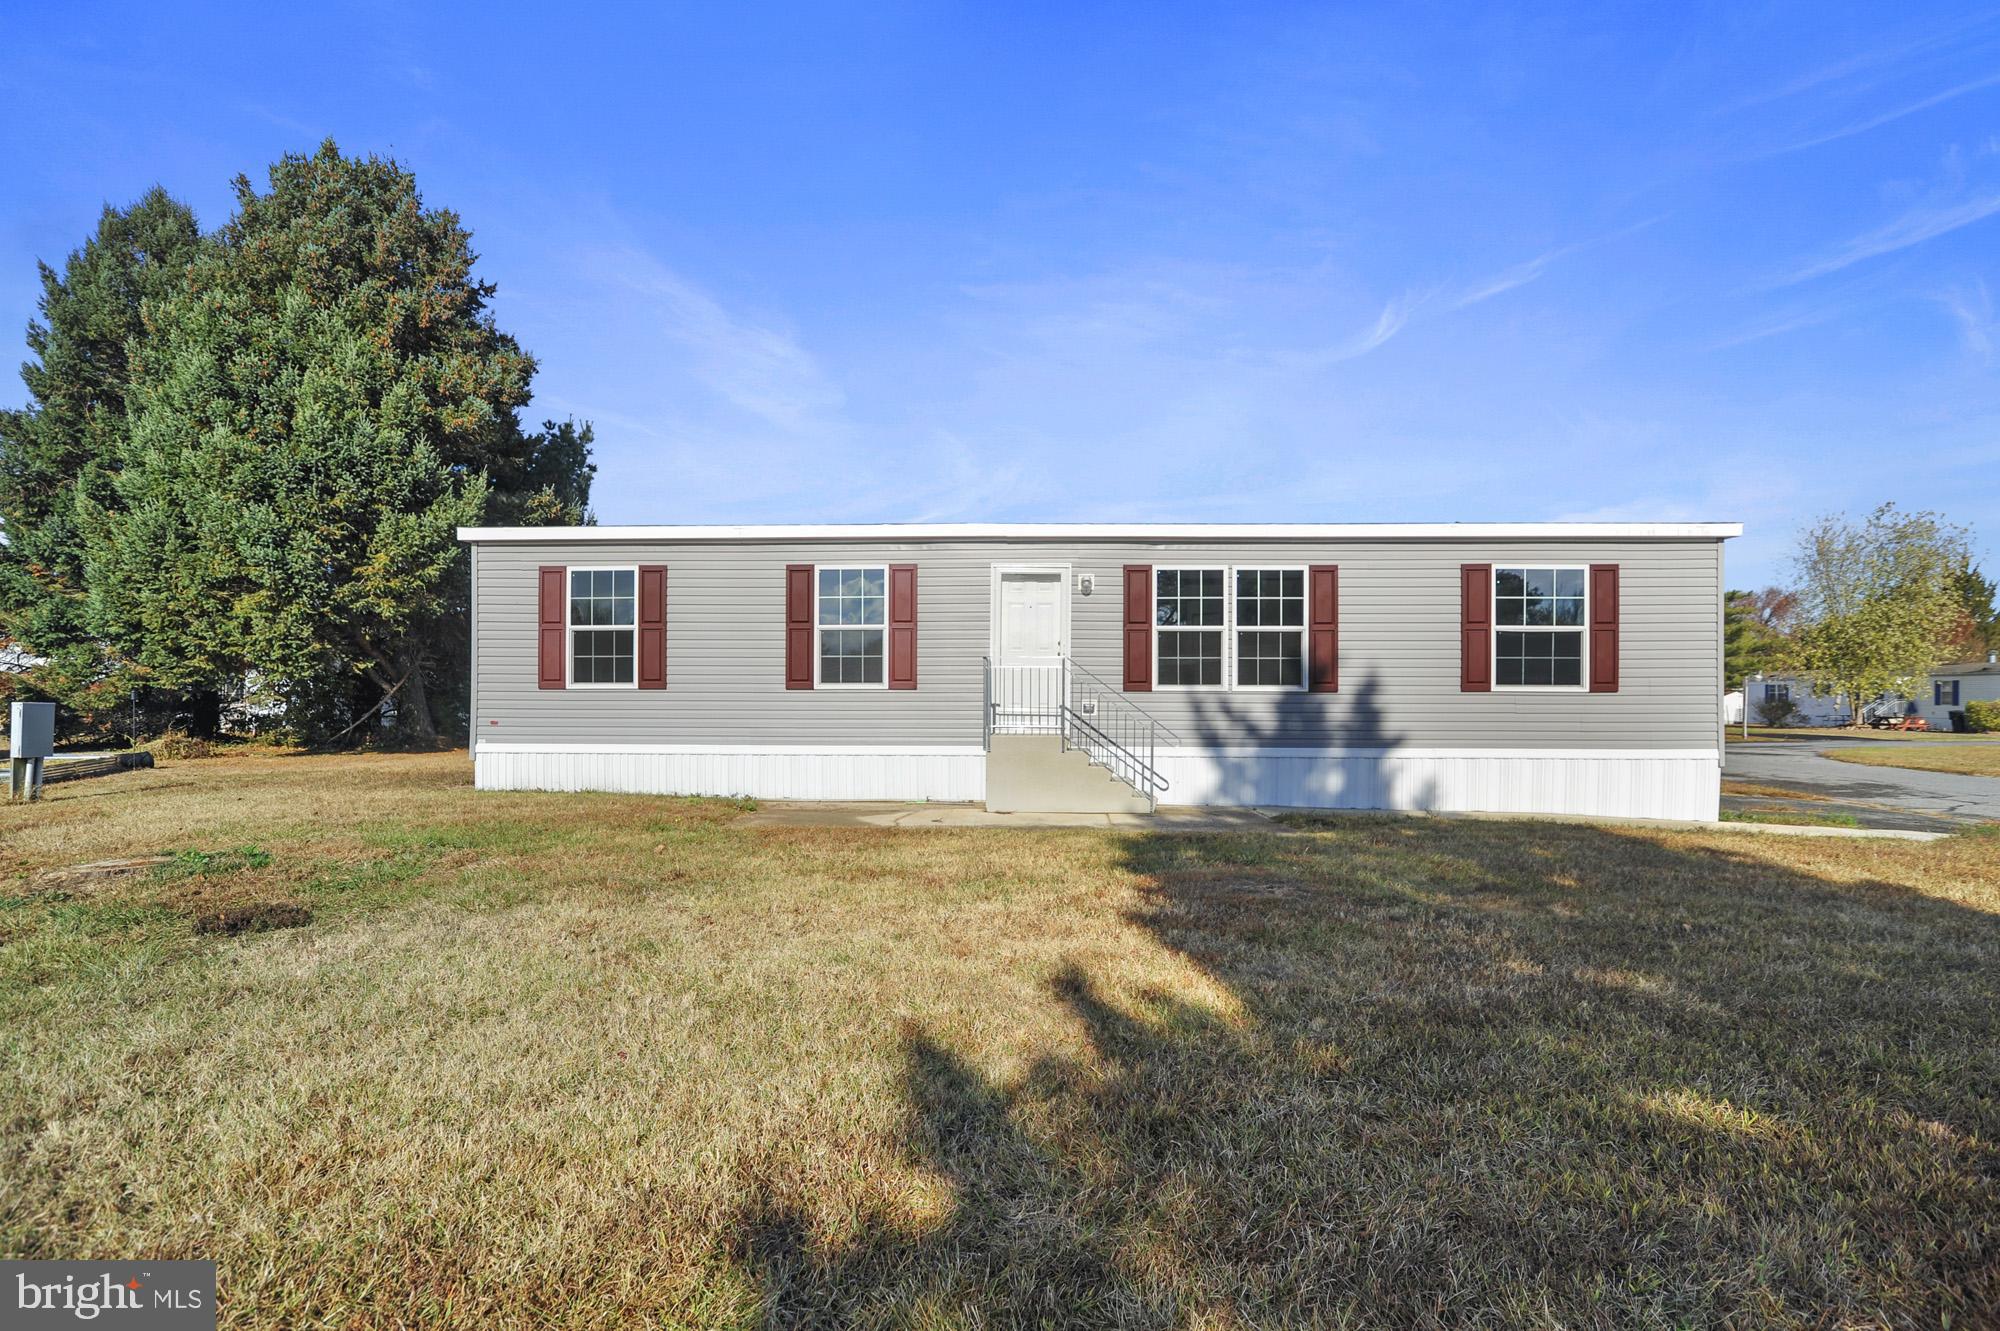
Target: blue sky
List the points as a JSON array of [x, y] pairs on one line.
[[1228, 263]]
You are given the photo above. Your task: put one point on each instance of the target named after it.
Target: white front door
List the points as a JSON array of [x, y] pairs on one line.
[[1031, 618], [1030, 637]]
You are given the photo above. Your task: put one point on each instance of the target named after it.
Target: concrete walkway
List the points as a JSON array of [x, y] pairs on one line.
[[1170, 818], [1891, 797], [1183, 818]]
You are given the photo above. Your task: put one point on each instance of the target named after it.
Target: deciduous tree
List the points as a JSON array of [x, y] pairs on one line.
[[1879, 602]]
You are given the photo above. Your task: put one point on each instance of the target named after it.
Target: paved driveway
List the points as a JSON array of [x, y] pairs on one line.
[[1878, 796]]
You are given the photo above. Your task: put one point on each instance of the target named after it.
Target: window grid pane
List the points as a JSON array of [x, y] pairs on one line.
[[601, 656], [1538, 597], [854, 596], [850, 656], [1553, 658], [1188, 598], [1267, 659], [1190, 657]]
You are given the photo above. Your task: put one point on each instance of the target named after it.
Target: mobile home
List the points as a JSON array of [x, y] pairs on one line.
[[1951, 687], [1538, 668]]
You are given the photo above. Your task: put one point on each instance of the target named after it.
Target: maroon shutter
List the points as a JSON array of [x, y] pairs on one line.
[[555, 605], [1138, 628], [1475, 628], [1604, 628], [1323, 657], [652, 626], [798, 626], [902, 626]]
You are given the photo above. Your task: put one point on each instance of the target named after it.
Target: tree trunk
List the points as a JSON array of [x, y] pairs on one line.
[[413, 706], [362, 696], [204, 711]]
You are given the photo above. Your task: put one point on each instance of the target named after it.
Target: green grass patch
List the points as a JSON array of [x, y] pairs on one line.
[[210, 863], [93, 919], [369, 883], [1790, 817], [492, 836]]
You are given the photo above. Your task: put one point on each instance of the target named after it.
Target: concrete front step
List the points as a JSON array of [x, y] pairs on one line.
[[1036, 774]]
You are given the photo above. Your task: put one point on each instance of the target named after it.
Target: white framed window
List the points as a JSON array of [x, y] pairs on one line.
[[603, 628], [1777, 693], [1270, 610], [851, 621], [1539, 619], [1229, 628], [1944, 693]]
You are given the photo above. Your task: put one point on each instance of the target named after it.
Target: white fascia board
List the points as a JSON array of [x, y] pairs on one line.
[[1113, 531]]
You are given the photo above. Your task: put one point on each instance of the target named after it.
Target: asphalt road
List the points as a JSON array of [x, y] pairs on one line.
[[1878, 796]]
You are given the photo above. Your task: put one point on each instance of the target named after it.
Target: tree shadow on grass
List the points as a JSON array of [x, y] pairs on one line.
[[1465, 1074]]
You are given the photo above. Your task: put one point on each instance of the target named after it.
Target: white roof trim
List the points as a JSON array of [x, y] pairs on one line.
[[1137, 531]]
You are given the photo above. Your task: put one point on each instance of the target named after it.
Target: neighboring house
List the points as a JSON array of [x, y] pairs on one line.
[[14, 660], [1550, 668], [1809, 707], [1732, 707], [1953, 686]]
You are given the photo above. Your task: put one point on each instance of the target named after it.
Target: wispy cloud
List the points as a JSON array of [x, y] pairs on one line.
[[1886, 117], [1395, 316], [1863, 63], [758, 368], [1521, 274], [1912, 228], [1509, 279], [1971, 308], [1397, 313], [1780, 322]]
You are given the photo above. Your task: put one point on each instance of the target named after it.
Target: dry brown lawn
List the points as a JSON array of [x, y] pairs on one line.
[[602, 1061], [1761, 791], [1972, 756]]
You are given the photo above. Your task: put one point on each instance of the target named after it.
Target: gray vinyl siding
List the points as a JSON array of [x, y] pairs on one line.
[[1399, 653]]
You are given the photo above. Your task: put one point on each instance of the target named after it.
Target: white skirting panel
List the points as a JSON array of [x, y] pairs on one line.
[[1612, 783], [774, 773]]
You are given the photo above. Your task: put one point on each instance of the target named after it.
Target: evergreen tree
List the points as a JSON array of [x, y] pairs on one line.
[[312, 414], [65, 446], [1753, 632], [1981, 633]]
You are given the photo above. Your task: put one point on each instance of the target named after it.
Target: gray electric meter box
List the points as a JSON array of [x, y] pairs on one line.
[[34, 729]]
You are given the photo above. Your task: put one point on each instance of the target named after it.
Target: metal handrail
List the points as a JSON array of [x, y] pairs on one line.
[[1087, 714]]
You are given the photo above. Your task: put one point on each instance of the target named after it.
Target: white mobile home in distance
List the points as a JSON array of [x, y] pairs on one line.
[[1951, 687], [1505, 667], [1809, 707]]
